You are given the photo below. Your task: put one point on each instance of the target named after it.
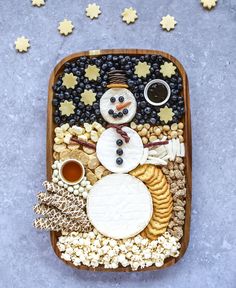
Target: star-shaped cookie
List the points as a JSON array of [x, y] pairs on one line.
[[38, 3], [88, 97], [168, 22], [92, 72], [22, 44], [142, 69], [168, 69], [93, 10], [69, 80], [209, 4], [65, 27], [129, 15], [166, 114], [67, 108]]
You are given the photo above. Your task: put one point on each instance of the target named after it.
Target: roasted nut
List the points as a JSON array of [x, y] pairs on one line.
[[174, 126], [181, 125], [144, 140]]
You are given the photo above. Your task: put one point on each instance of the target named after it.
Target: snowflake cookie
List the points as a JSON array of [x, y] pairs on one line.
[[129, 15], [92, 72], [168, 22], [38, 3], [166, 114], [69, 80], [208, 4], [93, 11], [88, 97], [67, 108], [65, 27], [22, 44], [142, 69], [168, 69]]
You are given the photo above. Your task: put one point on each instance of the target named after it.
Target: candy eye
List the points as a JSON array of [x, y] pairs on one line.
[[121, 99], [113, 99]]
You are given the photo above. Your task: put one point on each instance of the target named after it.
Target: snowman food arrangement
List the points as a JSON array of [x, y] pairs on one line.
[[120, 150], [130, 195]]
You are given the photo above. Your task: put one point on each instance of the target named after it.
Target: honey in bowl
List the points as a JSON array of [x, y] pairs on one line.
[[72, 171]]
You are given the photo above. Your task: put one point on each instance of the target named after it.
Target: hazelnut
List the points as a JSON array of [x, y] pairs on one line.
[[181, 125], [166, 128], [174, 126], [144, 140], [133, 125], [157, 131]]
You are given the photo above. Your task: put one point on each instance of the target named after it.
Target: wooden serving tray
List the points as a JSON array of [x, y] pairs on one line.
[[187, 160]]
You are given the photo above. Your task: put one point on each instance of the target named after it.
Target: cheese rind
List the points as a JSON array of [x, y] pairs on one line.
[[119, 206]]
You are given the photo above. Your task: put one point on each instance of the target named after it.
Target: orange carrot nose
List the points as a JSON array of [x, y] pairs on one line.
[[123, 105]]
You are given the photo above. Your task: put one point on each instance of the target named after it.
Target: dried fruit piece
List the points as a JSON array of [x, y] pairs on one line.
[[93, 162], [92, 72], [129, 15], [88, 97], [209, 4], [38, 3], [93, 10], [22, 44], [166, 114], [67, 108], [142, 69], [69, 80], [168, 22], [65, 27], [168, 69]]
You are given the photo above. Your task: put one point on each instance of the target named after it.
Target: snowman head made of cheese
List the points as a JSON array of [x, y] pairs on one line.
[[118, 106]]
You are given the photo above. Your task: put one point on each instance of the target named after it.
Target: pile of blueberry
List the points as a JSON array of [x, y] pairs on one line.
[[119, 152], [146, 113]]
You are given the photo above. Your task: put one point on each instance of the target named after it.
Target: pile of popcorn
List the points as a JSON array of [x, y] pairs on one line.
[[93, 249], [81, 189]]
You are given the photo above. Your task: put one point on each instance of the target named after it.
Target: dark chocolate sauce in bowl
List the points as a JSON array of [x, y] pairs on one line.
[[157, 92]]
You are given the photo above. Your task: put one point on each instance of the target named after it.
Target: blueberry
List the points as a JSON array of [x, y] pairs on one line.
[[119, 161], [110, 112], [120, 114], [119, 151], [115, 115], [119, 142], [57, 120], [125, 111], [152, 121], [121, 99], [97, 112], [147, 110], [143, 104], [113, 99]]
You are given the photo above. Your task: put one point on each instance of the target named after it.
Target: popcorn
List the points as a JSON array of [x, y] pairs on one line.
[[93, 249]]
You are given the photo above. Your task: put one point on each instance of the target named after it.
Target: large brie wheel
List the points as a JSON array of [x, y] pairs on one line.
[[132, 151], [106, 105], [119, 206]]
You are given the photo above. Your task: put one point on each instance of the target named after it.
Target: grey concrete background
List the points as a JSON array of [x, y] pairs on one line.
[[205, 43]]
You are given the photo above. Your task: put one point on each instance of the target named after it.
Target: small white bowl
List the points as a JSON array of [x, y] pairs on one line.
[[62, 177], [153, 82]]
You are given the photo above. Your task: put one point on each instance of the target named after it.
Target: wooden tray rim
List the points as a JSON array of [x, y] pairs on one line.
[[188, 153]]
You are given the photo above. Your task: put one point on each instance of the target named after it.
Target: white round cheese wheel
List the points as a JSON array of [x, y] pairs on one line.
[[106, 105], [132, 151], [119, 206]]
